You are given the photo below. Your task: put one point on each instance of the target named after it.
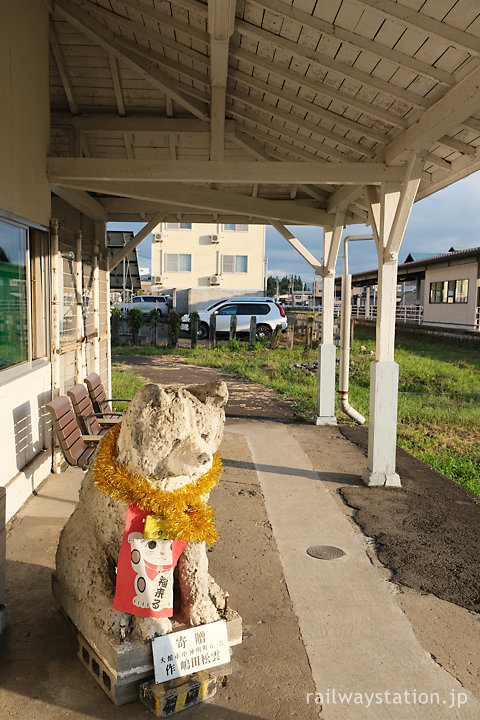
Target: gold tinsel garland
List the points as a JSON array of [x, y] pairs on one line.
[[182, 513]]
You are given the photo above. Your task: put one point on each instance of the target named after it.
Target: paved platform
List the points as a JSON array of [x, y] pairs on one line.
[[322, 638]]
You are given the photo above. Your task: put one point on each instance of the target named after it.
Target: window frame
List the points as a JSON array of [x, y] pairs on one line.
[[235, 271], [448, 292], [177, 255], [168, 226], [234, 227]]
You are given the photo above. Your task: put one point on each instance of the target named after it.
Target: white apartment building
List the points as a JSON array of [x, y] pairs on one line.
[[208, 261]]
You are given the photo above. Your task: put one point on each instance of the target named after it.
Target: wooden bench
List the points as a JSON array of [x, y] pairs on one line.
[[91, 422], [98, 396], [77, 448]]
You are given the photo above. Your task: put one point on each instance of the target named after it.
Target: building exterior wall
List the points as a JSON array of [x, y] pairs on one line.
[[24, 109], [460, 315], [208, 259]]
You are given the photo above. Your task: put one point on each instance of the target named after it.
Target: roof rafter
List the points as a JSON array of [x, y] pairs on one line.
[[117, 85], [357, 41], [325, 61], [62, 71], [310, 107], [350, 100], [81, 201], [108, 40], [416, 20]]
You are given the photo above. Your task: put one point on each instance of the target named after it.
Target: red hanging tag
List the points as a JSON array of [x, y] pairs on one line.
[[145, 570]]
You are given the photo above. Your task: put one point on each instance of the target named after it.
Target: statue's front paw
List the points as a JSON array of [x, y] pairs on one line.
[[201, 612], [149, 628]]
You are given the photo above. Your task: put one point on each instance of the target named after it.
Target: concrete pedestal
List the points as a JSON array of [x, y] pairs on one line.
[[120, 667], [382, 432], [326, 385]]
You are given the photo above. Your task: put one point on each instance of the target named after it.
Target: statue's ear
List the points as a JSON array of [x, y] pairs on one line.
[[214, 393]]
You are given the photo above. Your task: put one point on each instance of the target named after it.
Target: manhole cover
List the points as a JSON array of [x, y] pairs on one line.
[[325, 552]]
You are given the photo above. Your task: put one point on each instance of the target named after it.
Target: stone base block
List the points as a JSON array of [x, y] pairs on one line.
[[120, 667], [380, 479], [325, 420]]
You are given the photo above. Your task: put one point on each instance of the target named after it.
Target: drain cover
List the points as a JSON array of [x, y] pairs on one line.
[[325, 552]]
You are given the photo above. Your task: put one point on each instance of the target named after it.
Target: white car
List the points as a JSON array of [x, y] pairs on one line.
[[146, 303], [268, 313]]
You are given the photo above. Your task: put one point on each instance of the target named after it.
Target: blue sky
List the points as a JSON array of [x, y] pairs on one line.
[[449, 217]]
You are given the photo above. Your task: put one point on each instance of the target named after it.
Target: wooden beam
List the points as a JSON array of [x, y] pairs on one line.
[[221, 20], [297, 245], [460, 168], [139, 124], [62, 70], [408, 192], [108, 40], [357, 41], [81, 201], [293, 212], [343, 197], [323, 61], [117, 85], [60, 169], [444, 116], [136, 239], [334, 244], [419, 21]]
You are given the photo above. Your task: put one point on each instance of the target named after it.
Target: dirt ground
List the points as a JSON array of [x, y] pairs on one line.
[[424, 535]]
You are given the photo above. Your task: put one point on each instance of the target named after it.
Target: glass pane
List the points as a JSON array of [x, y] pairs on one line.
[[185, 226], [461, 291], [171, 262], [451, 291], [241, 228], [241, 263], [13, 295], [229, 226], [228, 310], [185, 263], [68, 307], [228, 263]]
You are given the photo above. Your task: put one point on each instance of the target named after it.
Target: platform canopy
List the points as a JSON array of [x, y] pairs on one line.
[[259, 110]]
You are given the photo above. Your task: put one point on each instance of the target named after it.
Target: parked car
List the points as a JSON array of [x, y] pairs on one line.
[[269, 314], [146, 303]]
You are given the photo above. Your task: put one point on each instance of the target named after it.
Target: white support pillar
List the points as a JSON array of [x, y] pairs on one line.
[[389, 213], [80, 353], [326, 350]]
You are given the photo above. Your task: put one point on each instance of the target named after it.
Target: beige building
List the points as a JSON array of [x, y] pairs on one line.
[[206, 261]]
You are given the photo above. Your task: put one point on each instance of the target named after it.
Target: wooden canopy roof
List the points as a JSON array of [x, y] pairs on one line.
[[258, 109]]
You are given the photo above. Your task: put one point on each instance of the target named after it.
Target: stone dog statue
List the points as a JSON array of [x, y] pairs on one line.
[[167, 437]]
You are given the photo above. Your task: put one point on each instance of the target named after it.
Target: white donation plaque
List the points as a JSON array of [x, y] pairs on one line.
[[188, 651]]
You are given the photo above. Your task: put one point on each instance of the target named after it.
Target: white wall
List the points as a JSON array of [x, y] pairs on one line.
[[206, 256], [460, 315], [24, 390], [24, 109]]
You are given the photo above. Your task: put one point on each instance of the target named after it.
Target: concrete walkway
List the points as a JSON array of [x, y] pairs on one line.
[[331, 641]]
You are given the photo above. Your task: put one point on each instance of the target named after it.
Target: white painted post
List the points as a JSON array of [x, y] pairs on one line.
[[382, 434], [326, 350], [389, 213], [367, 302]]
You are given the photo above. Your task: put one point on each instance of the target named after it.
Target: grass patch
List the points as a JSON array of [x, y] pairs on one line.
[[439, 392], [124, 385]]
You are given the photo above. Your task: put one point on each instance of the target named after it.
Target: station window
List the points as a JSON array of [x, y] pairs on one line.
[[179, 226], [178, 262], [13, 295], [449, 291], [235, 227], [234, 263]]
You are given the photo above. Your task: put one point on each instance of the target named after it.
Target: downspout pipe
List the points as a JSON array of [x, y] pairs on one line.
[[345, 319]]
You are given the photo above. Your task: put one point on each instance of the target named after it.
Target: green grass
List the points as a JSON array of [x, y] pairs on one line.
[[439, 392], [124, 385]]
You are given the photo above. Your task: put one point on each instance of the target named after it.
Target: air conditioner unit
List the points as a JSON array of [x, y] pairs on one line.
[[158, 279], [158, 237], [214, 238], [215, 280]]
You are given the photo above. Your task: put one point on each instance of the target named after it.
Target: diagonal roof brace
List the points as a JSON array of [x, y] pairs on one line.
[[136, 239], [297, 245]]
